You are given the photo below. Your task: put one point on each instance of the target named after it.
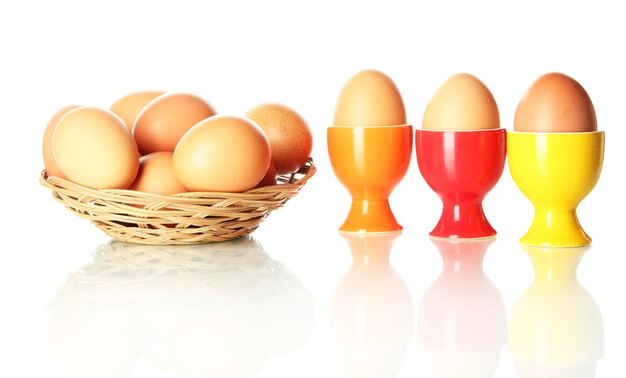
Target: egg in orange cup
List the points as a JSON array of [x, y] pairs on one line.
[[370, 146]]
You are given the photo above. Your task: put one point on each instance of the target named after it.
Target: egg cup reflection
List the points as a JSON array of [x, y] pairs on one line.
[[556, 171], [461, 167], [370, 161], [556, 326], [211, 310], [371, 311], [462, 318]]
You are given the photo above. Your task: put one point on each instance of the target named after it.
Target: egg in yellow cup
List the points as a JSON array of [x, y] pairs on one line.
[[555, 157]]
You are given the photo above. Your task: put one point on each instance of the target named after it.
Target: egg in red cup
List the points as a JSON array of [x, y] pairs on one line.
[[461, 151]]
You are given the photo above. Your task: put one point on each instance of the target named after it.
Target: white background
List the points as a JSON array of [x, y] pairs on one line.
[[241, 53]]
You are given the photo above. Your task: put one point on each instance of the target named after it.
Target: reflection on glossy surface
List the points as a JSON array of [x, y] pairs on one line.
[[462, 317], [372, 310], [556, 326], [217, 310]]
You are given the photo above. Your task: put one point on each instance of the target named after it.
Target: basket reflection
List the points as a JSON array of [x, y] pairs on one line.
[[213, 310]]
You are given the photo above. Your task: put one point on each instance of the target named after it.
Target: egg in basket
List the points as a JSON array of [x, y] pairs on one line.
[[163, 168]]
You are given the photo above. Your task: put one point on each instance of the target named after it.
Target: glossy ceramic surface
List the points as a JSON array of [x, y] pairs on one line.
[[462, 317], [556, 328], [371, 312], [555, 171], [370, 162], [461, 167]]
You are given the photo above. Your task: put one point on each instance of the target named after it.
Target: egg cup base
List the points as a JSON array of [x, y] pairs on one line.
[[370, 216], [463, 222], [556, 229], [463, 239]]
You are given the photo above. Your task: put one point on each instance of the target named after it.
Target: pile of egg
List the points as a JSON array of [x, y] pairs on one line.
[[168, 143]]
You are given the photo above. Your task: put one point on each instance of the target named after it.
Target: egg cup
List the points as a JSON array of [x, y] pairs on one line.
[[555, 171], [461, 167], [370, 161]]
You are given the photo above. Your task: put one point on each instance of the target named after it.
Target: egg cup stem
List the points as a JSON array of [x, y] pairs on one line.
[[555, 228], [370, 216], [463, 220]]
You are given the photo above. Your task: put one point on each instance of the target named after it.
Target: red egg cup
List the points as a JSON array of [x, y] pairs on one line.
[[461, 167]]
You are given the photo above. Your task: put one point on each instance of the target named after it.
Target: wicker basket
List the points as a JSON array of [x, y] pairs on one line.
[[186, 218]]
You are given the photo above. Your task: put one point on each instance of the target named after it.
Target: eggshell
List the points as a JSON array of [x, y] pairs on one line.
[[93, 147], [555, 103], [156, 175], [370, 98], [52, 169], [160, 124], [289, 135], [462, 102], [128, 107], [270, 176], [222, 153]]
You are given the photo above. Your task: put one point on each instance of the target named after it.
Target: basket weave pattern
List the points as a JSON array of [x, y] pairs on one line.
[[185, 218]]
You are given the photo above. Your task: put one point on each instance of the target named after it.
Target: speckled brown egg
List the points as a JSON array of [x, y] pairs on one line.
[[370, 98], [462, 102], [289, 135], [270, 176], [555, 103]]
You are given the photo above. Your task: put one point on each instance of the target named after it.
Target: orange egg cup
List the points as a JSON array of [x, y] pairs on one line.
[[370, 161]]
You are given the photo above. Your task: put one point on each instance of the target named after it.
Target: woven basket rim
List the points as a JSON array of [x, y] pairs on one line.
[[184, 218], [289, 179]]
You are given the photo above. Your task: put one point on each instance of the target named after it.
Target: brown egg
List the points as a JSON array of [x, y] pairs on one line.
[[129, 106], [289, 135], [555, 103], [156, 175], [222, 153], [93, 147], [370, 98], [270, 176], [160, 124], [462, 103], [52, 169]]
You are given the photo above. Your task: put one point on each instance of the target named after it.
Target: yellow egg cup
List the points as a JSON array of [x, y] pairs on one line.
[[555, 171]]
